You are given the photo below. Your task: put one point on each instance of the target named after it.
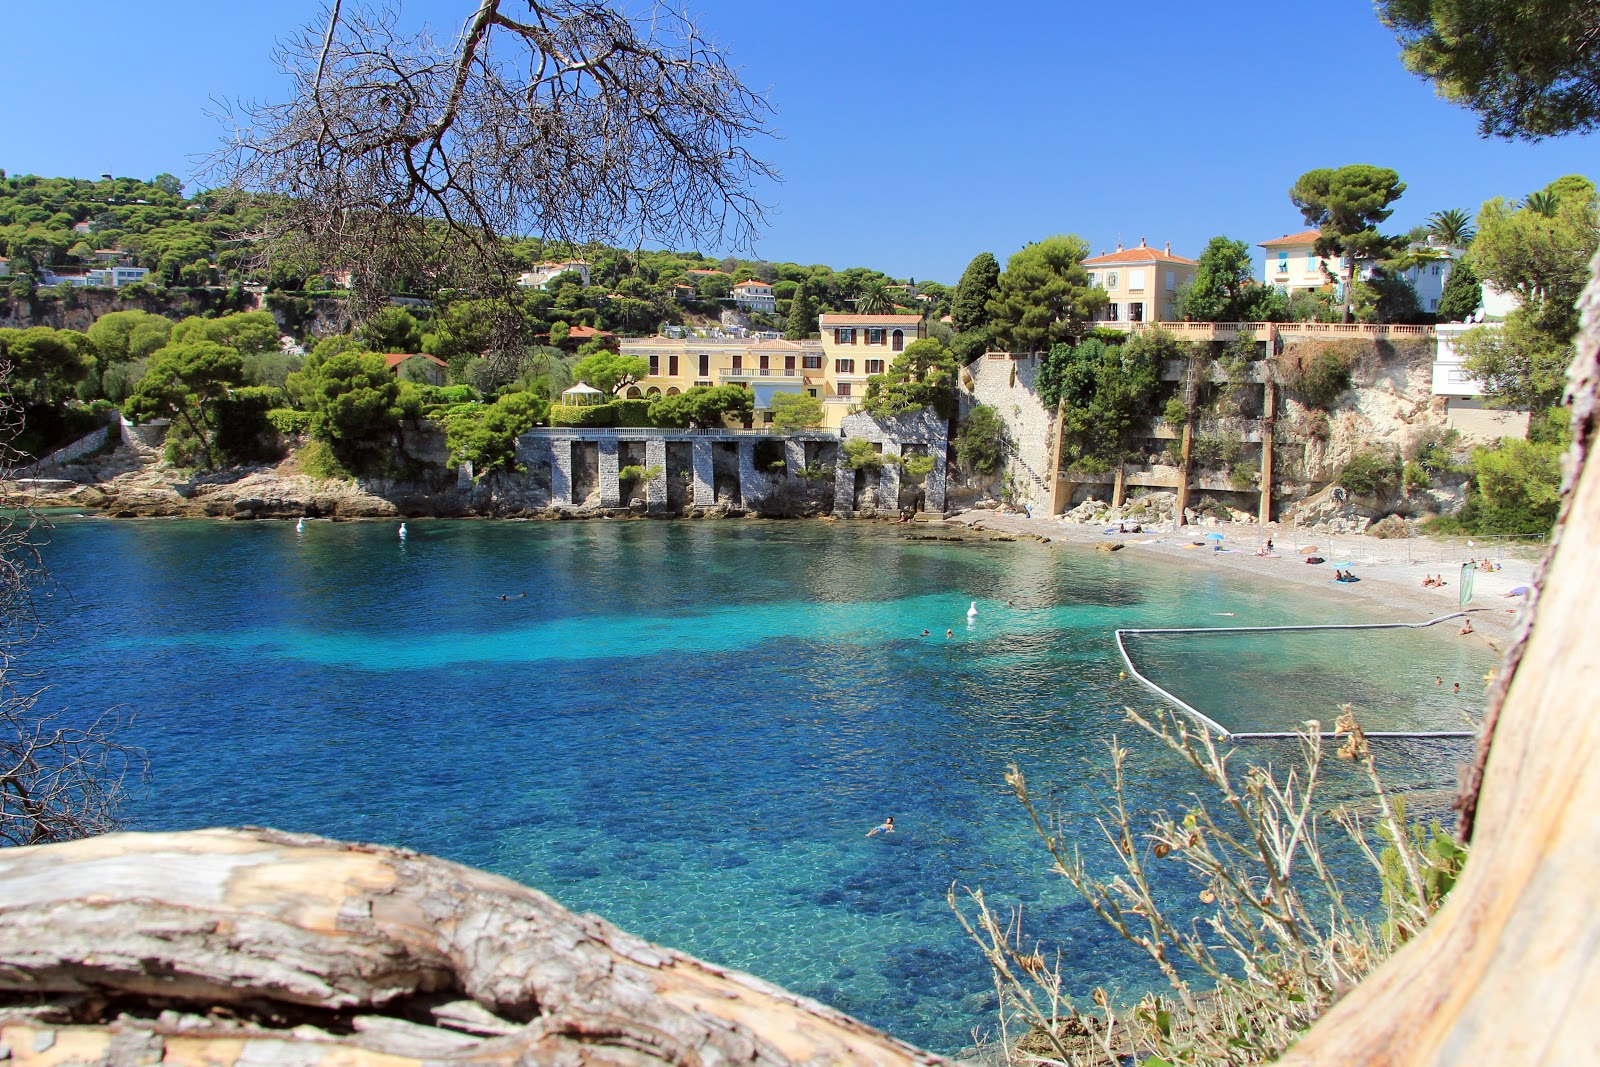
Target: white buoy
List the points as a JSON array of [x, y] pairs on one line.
[[972, 612], [300, 527], [402, 531]]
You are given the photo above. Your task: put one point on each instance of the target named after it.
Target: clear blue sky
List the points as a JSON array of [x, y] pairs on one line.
[[913, 136]]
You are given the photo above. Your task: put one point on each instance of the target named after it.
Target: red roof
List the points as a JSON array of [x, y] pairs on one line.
[[588, 331], [721, 272], [752, 281], [394, 359], [1304, 237], [1136, 255], [870, 320]]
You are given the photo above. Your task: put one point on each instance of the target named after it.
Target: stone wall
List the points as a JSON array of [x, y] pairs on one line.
[[1007, 385]]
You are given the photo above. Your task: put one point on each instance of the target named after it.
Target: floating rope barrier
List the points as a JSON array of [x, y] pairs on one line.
[[1229, 735]]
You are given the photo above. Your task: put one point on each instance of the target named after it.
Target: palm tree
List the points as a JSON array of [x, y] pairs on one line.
[[1542, 203], [874, 299], [1453, 227]]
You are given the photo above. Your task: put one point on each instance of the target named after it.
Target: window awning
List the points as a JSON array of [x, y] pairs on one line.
[[764, 391]]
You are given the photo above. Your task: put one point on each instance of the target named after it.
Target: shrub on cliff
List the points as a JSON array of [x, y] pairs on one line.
[[1371, 472], [981, 441], [353, 399]]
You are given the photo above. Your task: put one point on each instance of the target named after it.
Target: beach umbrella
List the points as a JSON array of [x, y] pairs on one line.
[[1344, 563], [1213, 537], [1520, 590], [1306, 551]]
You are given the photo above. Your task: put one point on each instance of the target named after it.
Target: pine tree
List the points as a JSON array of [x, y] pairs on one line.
[[802, 319], [1462, 294], [979, 283]]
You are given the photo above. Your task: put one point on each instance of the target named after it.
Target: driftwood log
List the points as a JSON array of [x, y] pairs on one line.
[[234, 947], [1508, 970]]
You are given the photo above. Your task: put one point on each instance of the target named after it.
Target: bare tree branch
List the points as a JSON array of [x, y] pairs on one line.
[[412, 163]]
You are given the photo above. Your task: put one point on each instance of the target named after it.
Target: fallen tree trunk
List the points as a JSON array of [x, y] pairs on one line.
[[1508, 970], [227, 947]]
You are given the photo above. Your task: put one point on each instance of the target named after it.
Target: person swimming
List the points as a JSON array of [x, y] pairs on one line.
[[949, 633], [886, 828]]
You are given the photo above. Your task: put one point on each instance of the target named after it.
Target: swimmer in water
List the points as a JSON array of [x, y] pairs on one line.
[[949, 633], [926, 633], [886, 828]]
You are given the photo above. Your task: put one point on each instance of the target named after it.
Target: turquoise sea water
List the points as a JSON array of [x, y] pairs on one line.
[[689, 727]]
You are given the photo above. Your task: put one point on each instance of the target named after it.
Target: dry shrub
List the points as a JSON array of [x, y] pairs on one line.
[[1277, 939], [1390, 526]]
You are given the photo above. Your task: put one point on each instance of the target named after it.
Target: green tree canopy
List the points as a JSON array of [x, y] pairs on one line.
[[702, 405], [1346, 204], [124, 336], [485, 435], [1529, 69], [1221, 291], [611, 372], [1044, 295], [1103, 390], [802, 320], [978, 285], [1517, 364], [792, 412], [1462, 296], [981, 440], [392, 329], [246, 332], [924, 375], [1452, 227], [1543, 255], [187, 381], [352, 398], [45, 363]]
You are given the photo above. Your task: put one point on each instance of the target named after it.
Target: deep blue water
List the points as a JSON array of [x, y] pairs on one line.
[[689, 727]]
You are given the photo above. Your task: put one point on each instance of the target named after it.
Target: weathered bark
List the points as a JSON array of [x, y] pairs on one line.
[[252, 946], [1508, 971]]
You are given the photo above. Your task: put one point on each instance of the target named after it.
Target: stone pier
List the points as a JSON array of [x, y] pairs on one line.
[[933, 493], [705, 485], [561, 470], [655, 490], [844, 486], [753, 486], [889, 477], [610, 490], [794, 457]]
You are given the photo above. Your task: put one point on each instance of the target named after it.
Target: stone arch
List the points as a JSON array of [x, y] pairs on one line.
[[653, 391], [897, 341], [634, 393], [672, 390]]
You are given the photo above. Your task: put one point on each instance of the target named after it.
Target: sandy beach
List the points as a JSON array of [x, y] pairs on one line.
[[1391, 571]]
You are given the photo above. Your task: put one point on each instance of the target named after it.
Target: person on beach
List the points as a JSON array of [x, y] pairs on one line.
[[1466, 628], [886, 828]]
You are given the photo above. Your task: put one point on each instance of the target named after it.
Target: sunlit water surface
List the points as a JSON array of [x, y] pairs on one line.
[[689, 727]]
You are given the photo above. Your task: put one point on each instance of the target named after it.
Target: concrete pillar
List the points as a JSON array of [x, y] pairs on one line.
[[1060, 492], [705, 492], [1117, 487], [610, 487], [1183, 477], [1268, 420], [794, 457], [561, 470], [889, 478], [752, 482], [655, 490], [844, 484], [935, 488]]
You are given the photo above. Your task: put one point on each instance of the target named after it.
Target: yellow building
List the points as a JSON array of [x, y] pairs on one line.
[[834, 369], [1292, 263], [1142, 283]]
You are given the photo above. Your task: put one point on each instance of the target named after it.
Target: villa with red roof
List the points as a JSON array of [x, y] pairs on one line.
[[1142, 283], [1292, 263]]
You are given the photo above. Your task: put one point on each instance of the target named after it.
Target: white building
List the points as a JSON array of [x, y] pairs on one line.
[[755, 296], [1464, 406], [542, 274]]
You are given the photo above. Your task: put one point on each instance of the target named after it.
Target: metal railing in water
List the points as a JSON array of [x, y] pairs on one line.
[[1258, 735]]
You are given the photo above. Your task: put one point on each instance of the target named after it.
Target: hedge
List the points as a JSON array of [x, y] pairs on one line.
[[632, 412], [288, 421], [592, 415]]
